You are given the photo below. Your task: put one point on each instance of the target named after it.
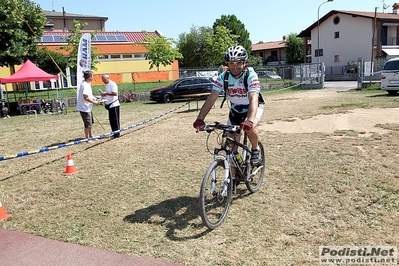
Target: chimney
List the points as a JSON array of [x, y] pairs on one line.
[[395, 8]]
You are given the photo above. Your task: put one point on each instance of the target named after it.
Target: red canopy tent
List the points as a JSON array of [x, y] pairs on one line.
[[28, 72]]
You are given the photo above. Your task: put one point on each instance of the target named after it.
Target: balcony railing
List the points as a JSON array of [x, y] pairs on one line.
[[390, 41]]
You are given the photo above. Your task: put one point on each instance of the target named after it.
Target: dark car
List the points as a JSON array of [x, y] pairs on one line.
[[182, 88]]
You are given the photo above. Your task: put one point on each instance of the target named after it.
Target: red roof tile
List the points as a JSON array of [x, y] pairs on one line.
[[268, 45]]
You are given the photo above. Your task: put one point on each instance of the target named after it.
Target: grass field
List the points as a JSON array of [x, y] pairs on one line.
[[138, 194]]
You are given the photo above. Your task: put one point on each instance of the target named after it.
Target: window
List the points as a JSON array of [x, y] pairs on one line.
[[318, 52], [391, 65], [336, 58], [336, 20], [122, 57], [274, 55], [336, 35], [138, 56], [50, 24]]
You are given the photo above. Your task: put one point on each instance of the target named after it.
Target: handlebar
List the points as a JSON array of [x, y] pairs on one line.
[[225, 128]]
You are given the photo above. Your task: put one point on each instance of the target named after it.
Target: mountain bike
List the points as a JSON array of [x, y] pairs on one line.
[[60, 107], [128, 97], [56, 106], [218, 185]]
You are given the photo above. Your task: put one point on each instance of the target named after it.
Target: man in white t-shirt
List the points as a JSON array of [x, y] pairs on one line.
[[111, 96], [85, 101]]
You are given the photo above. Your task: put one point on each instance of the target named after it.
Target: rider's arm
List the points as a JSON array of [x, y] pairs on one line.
[[208, 104], [253, 106]]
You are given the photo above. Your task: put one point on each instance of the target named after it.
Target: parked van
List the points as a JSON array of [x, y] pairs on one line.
[[390, 76]]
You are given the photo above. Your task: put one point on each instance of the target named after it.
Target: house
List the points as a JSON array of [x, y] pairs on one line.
[[342, 37], [62, 21], [123, 55], [272, 53]]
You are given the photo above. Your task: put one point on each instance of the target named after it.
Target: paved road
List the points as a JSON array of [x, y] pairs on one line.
[[24, 249]]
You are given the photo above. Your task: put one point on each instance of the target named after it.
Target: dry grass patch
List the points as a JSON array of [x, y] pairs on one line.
[[138, 194]]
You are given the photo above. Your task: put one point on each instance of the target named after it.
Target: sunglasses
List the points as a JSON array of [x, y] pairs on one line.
[[239, 64]]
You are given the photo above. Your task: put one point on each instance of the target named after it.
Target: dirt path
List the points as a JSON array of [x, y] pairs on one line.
[[360, 119]]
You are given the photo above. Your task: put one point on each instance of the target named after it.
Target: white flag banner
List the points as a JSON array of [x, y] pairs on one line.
[[84, 58]]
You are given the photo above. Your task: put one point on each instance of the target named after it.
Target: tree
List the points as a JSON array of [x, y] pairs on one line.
[[294, 49], [236, 27], [50, 61], [72, 46], [217, 44], [21, 22], [204, 47], [160, 50], [192, 46], [255, 61]]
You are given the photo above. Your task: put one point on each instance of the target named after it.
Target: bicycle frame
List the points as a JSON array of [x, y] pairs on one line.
[[229, 160]]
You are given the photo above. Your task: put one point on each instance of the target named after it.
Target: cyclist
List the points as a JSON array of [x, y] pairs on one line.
[[246, 108]]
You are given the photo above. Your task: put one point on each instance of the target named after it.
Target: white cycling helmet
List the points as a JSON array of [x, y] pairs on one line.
[[236, 53]]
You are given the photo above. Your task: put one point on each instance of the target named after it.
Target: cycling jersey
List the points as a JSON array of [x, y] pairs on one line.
[[236, 92]]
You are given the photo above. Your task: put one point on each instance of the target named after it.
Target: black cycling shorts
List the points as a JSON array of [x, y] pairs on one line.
[[236, 118]]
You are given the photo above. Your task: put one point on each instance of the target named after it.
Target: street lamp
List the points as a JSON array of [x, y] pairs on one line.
[[318, 42]]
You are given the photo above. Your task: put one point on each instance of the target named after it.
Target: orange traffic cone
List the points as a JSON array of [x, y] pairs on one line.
[[70, 168], [3, 214]]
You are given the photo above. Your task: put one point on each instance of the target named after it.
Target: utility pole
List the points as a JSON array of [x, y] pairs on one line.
[[372, 45]]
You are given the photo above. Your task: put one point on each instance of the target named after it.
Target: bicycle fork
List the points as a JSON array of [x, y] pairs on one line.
[[226, 179]]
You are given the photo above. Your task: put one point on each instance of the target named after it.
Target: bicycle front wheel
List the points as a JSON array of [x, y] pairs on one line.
[[215, 196], [256, 173]]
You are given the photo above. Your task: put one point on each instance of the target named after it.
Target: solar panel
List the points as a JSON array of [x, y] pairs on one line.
[[101, 38], [58, 39], [111, 38], [121, 38], [47, 39]]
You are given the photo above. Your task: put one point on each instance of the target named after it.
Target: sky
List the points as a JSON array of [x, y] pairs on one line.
[[265, 20]]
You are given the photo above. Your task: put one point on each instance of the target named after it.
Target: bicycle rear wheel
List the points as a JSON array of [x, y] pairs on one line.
[[213, 206], [256, 173]]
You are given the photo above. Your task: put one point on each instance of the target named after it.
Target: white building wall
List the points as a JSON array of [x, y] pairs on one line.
[[355, 40]]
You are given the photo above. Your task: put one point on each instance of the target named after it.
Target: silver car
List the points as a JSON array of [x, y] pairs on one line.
[[390, 76]]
